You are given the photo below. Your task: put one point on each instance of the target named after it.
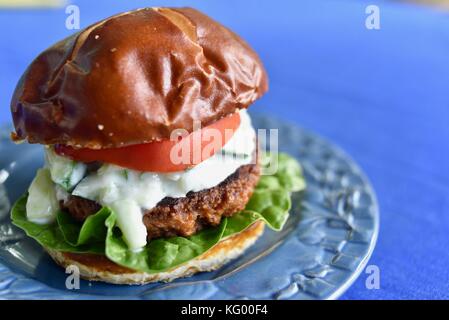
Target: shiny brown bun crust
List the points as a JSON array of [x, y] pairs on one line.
[[99, 268], [135, 77]]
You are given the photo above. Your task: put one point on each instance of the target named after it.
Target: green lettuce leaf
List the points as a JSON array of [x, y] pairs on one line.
[[99, 234], [160, 254], [288, 175], [93, 230], [50, 235]]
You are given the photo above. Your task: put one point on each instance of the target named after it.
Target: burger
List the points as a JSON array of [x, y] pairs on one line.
[[152, 170]]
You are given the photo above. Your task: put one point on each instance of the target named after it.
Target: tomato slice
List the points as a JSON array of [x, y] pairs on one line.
[[169, 155]]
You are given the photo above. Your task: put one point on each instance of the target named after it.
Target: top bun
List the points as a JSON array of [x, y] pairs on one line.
[[133, 78]]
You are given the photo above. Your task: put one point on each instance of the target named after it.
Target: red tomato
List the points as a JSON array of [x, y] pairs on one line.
[[168, 155]]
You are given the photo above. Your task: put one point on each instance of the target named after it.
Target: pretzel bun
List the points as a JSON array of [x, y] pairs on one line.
[[133, 78]]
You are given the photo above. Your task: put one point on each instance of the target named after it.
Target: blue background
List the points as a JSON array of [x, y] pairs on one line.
[[382, 95]]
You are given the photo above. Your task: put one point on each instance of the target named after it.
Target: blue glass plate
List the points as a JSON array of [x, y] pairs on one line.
[[324, 246]]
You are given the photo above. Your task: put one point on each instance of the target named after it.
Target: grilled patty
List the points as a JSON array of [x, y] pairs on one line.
[[186, 216]]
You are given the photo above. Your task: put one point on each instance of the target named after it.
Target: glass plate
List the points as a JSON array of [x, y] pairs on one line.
[[324, 246]]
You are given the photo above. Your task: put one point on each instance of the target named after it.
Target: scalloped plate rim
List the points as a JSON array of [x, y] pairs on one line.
[[334, 295]]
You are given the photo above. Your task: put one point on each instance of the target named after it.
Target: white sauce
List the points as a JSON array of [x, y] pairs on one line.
[[129, 192], [42, 204]]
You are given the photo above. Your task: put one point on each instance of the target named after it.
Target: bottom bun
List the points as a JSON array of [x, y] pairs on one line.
[[99, 268]]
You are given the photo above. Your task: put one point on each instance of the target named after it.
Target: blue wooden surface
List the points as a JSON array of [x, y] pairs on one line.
[[379, 94]]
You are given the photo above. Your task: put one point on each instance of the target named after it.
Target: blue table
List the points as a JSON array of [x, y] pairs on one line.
[[380, 94]]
